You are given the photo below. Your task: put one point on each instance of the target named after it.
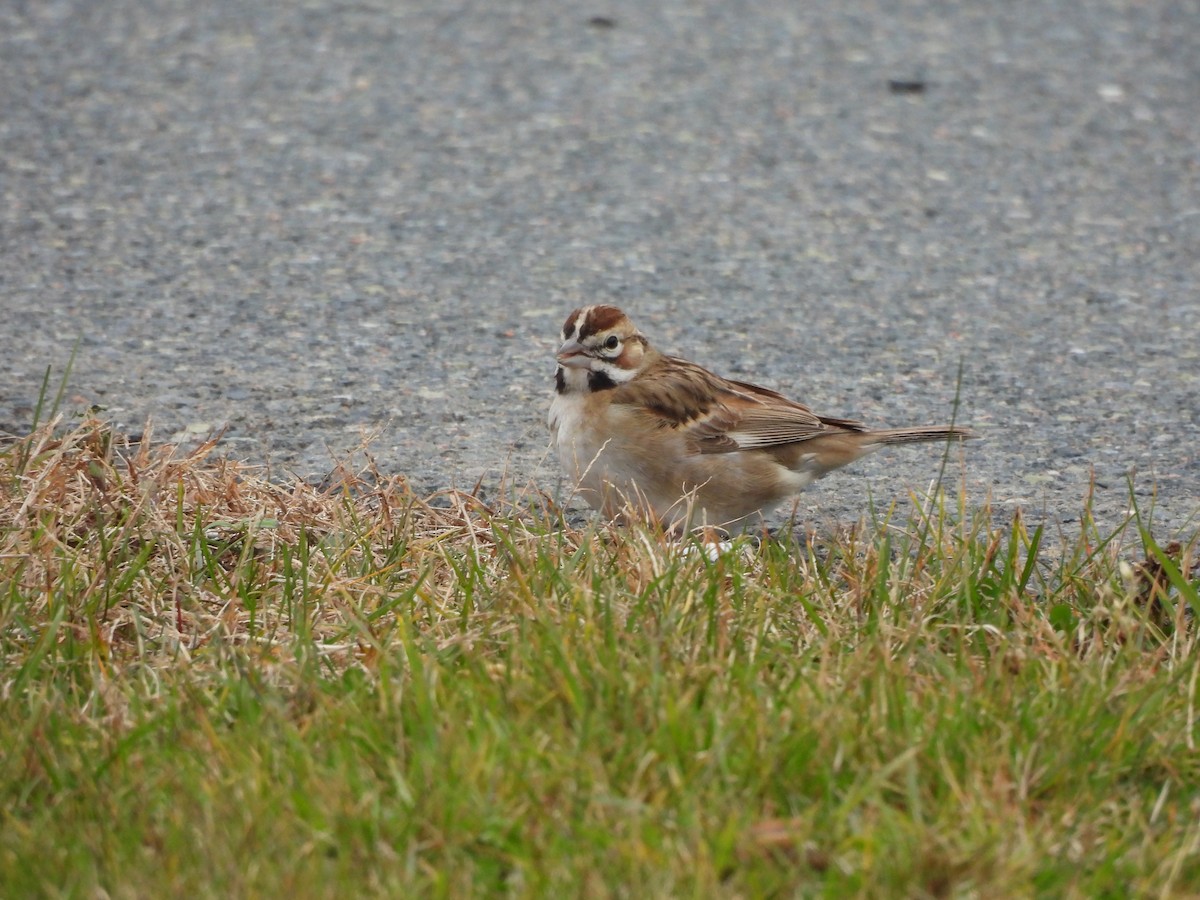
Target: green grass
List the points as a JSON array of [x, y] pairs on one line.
[[216, 685]]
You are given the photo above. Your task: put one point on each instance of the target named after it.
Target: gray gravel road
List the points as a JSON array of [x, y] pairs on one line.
[[317, 220]]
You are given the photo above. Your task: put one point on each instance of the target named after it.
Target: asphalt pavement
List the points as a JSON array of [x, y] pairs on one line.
[[322, 223]]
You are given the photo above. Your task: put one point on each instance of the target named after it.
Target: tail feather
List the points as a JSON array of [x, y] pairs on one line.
[[920, 434]]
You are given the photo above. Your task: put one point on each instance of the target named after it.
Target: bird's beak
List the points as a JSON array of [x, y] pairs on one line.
[[572, 355]]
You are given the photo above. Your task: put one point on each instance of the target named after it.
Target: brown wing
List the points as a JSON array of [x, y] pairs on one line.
[[720, 415]]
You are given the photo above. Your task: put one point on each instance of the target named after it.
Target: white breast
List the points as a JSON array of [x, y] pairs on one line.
[[573, 439]]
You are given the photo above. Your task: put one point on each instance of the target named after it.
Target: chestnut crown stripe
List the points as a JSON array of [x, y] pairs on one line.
[[597, 319]]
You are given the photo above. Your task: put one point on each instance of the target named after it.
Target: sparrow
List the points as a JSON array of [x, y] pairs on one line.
[[639, 430]]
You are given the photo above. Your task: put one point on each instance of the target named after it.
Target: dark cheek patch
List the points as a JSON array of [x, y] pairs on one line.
[[599, 381], [560, 380]]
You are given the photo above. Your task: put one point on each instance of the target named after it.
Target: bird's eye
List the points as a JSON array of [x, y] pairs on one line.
[[612, 343]]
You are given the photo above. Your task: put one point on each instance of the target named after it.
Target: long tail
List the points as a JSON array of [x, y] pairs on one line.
[[920, 434]]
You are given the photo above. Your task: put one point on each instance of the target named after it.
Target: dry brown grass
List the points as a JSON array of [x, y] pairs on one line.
[[158, 550]]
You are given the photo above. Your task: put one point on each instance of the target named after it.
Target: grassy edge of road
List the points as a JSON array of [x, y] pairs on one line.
[[212, 681]]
